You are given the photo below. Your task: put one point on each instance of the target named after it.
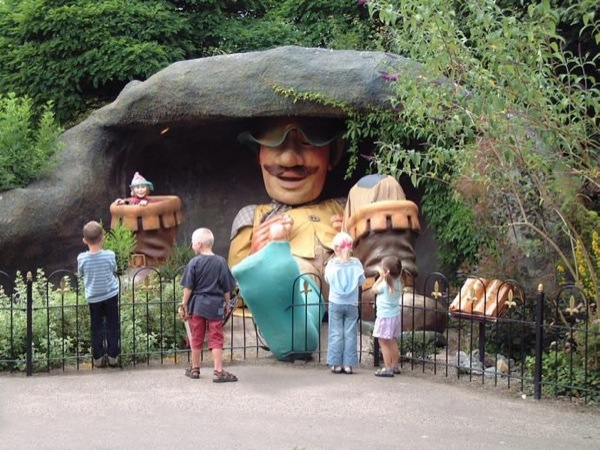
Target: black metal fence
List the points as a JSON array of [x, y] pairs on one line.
[[543, 347]]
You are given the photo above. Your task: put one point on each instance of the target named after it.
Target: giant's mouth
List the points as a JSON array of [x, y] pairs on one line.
[[295, 172], [291, 178]]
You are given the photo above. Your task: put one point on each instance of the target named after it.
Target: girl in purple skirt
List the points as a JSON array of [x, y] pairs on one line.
[[388, 321]]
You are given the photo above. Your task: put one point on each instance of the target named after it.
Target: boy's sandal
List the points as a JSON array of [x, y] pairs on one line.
[[383, 372], [223, 377], [193, 372], [397, 370], [347, 370], [336, 369]]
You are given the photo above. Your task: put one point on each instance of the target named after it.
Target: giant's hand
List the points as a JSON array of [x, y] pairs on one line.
[[261, 233], [336, 222]]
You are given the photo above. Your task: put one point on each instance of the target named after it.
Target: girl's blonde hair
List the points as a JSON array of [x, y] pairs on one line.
[[392, 268], [342, 242]]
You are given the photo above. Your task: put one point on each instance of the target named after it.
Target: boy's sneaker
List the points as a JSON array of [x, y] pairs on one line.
[[113, 362], [100, 362]]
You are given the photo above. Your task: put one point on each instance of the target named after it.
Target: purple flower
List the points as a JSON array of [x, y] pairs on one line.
[[361, 2], [389, 77]]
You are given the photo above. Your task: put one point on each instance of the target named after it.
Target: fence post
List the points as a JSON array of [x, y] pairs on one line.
[[29, 362], [376, 351], [539, 339], [376, 348]]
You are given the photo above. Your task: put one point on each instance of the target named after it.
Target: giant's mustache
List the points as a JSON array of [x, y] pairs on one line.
[[303, 171]]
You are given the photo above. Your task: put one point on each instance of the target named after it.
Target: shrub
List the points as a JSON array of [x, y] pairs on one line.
[[122, 241], [572, 361], [177, 261], [27, 144], [61, 322]]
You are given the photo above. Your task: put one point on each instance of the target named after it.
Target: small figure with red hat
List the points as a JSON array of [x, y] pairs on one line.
[[154, 220], [140, 191]]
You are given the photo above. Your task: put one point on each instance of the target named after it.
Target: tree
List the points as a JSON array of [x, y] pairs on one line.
[[240, 26], [79, 53], [506, 117]]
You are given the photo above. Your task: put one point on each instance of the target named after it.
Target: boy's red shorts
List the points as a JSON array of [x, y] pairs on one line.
[[199, 326]]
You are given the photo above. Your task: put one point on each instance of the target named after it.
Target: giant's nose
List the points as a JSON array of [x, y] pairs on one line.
[[291, 150]]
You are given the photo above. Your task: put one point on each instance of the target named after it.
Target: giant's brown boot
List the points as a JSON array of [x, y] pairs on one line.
[[383, 223]]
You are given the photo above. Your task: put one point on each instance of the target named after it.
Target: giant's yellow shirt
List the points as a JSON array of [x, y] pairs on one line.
[[312, 227]]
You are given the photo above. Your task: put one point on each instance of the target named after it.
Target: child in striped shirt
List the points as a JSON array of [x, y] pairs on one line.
[[97, 267]]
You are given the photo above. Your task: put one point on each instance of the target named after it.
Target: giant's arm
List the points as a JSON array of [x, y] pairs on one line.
[[241, 235], [248, 238], [239, 246]]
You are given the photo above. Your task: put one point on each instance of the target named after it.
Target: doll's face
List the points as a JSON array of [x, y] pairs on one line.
[[140, 191]]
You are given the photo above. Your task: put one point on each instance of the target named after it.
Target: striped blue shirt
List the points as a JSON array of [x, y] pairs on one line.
[[98, 272]]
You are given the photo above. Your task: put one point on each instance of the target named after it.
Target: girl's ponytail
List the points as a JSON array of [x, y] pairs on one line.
[[392, 267]]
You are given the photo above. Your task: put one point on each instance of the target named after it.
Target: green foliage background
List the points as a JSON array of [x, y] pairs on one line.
[[505, 115], [80, 53]]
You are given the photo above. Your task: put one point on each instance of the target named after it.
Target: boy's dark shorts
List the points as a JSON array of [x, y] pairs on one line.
[[198, 328]]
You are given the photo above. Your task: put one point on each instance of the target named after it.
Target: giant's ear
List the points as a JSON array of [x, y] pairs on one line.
[[336, 150]]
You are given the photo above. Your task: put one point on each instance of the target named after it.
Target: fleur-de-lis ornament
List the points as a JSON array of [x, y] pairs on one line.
[[147, 287], [510, 303], [572, 309], [471, 296], [305, 288], [436, 290], [63, 285]]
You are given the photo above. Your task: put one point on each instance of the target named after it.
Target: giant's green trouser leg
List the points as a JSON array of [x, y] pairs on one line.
[[287, 309]]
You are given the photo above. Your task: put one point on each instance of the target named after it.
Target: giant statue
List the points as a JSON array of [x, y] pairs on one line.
[[295, 155]]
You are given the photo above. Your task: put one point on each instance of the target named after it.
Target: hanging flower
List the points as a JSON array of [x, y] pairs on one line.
[[389, 77]]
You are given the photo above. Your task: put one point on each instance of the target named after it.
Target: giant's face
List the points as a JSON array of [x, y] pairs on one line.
[[294, 172]]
